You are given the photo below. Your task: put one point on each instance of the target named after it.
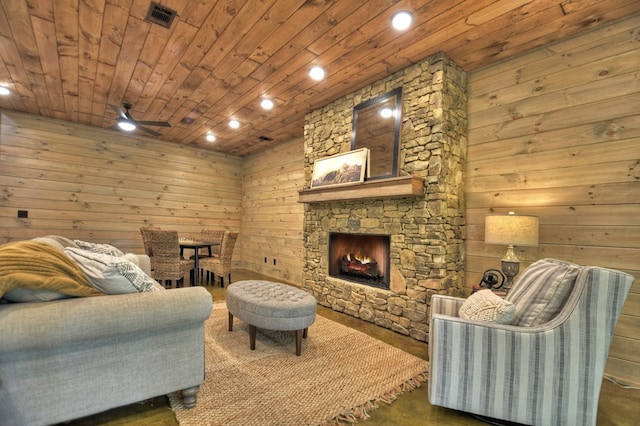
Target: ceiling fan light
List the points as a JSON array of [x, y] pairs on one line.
[[126, 125]]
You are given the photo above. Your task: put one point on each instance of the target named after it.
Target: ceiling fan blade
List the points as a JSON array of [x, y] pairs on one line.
[[154, 123], [147, 130], [119, 111]]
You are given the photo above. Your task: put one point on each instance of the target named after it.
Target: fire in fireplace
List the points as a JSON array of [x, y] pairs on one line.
[[360, 258]]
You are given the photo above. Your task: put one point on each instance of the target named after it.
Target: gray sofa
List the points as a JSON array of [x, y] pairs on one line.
[[69, 358]]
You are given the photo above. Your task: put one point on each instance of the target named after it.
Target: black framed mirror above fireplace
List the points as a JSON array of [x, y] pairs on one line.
[[360, 258]]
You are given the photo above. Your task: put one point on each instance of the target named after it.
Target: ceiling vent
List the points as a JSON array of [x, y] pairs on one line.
[[160, 15], [265, 138]]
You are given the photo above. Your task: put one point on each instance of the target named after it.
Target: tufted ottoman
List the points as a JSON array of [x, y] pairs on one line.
[[271, 306]]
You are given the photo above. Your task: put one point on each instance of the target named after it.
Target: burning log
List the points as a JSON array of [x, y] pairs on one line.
[[363, 267]]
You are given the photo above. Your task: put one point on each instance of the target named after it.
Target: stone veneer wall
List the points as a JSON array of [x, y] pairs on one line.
[[427, 248]]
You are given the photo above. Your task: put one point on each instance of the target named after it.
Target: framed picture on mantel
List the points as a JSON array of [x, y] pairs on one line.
[[340, 169]]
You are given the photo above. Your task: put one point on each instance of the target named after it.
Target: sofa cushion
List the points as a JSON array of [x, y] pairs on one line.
[[28, 295], [485, 305], [36, 265], [111, 274], [50, 241], [542, 291], [99, 248], [57, 240]]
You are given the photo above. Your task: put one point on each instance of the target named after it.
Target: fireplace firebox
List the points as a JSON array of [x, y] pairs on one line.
[[360, 258]]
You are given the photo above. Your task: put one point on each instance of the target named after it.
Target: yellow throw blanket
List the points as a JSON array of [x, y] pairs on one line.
[[35, 265]]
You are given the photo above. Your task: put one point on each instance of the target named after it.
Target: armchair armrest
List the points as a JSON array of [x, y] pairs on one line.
[[446, 305]]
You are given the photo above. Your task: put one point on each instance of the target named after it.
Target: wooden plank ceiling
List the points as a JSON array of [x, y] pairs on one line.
[[70, 59]]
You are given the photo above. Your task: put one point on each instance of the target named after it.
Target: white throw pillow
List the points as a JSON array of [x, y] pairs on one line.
[[111, 274], [485, 305], [99, 248]]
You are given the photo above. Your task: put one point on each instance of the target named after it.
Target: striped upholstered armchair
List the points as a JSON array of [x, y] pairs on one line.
[[543, 368]]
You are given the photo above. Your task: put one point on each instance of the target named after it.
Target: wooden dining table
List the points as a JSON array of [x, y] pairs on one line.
[[196, 246]]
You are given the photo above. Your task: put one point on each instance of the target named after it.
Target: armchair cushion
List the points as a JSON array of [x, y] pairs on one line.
[[485, 305], [542, 291]]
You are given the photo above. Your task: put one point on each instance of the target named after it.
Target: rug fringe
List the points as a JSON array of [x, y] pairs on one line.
[[359, 413]]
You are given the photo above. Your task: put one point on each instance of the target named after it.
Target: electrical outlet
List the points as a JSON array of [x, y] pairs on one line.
[[23, 214]]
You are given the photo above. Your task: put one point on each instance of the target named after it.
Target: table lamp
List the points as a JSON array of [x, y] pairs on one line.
[[511, 230]]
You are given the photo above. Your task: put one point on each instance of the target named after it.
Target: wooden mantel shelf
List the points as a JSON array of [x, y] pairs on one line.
[[397, 187]]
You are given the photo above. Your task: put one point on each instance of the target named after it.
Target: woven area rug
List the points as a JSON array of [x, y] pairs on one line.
[[341, 374]]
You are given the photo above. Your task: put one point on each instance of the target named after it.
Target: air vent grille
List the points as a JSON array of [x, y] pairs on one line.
[[265, 138], [160, 15]]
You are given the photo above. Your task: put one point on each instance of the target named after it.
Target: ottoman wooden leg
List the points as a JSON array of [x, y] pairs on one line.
[[298, 342], [305, 332], [252, 337], [230, 321]]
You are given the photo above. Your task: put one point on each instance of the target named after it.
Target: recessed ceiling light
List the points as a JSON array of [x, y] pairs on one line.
[[211, 137], [401, 20], [266, 104], [316, 73], [234, 124], [4, 91]]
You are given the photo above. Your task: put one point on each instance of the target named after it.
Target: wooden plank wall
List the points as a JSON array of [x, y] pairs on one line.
[[556, 133], [103, 185], [272, 218]]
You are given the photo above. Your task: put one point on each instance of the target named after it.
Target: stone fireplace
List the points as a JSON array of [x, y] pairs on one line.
[[419, 214]]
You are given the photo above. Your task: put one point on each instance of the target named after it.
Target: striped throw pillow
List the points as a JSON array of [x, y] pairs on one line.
[[542, 291]]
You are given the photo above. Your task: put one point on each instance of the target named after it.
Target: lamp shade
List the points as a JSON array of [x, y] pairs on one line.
[[511, 229]]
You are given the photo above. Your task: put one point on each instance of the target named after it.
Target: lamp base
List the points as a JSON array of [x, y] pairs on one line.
[[510, 269]]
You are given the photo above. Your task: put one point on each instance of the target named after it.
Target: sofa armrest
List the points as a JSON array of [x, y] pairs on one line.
[[38, 326], [144, 263]]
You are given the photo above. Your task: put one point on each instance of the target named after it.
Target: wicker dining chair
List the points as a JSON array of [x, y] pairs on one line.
[[166, 262], [146, 238], [214, 236], [221, 265]]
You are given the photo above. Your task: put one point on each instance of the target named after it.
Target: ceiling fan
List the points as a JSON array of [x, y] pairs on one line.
[[126, 122]]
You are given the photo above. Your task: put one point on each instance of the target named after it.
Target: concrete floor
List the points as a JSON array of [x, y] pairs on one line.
[[618, 406]]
